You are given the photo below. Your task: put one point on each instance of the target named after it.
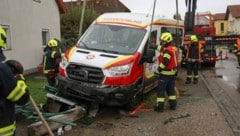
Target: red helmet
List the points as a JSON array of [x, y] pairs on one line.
[[15, 66]]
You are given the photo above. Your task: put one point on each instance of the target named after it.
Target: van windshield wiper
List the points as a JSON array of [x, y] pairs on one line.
[[108, 51], [84, 45]]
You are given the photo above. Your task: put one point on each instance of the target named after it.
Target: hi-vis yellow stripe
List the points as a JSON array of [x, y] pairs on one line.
[[53, 53], [71, 52], [8, 130], [120, 58], [160, 99], [122, 21], [172, 97], [18, 91]]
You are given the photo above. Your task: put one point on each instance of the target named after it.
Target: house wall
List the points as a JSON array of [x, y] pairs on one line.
[[217, 25], [234, 26], [26, 20]]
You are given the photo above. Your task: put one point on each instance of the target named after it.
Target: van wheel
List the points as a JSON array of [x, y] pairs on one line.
[[137, 97]]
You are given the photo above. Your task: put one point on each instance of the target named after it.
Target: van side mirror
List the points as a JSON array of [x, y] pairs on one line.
[[150, 54]]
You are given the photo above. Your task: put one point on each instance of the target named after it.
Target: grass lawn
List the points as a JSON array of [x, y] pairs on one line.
[[36, 85]]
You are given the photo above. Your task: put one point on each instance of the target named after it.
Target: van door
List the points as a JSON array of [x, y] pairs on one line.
[[149, 68]]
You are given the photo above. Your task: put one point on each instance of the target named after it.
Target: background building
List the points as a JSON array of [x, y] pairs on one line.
[[220, 24], [29, 25], [233, 18]]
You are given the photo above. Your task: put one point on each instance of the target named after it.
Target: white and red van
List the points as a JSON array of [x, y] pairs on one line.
[[112, 61]]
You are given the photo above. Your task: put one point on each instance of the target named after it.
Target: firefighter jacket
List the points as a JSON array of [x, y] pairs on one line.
[[168, 60], [50, 63], [160, 51], [12, 91], [236, 49], [194, 51]]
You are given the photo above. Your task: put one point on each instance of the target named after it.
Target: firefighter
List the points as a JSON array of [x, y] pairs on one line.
[[13, 91], [236, 50], [193, 57], [166, 72], [51, 59]]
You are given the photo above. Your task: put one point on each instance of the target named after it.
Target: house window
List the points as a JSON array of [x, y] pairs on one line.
[[7, 30], [231, 22], [39, 1], [222, 26], [45, 37]]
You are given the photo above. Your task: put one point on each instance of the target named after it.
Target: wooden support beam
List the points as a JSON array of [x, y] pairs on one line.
[[38, 129]]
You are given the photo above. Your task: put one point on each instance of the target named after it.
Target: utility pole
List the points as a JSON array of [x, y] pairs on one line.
[[82, 18], [153, 14], [177, 35], [149, 38]]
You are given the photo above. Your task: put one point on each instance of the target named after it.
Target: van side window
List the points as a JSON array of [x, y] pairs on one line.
[[154, 38], [177, 34]]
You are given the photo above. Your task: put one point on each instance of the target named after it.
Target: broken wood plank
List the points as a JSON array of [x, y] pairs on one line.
[[37, 128]]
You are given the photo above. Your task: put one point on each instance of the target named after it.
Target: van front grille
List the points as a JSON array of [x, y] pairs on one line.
[[85, 74]]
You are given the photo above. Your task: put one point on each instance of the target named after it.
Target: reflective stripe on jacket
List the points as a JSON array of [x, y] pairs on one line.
[[8, 130], [18, 91]]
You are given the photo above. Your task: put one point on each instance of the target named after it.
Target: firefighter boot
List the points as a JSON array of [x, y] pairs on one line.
[[195, 80], [188, 81], [173, 104], [159, 107]]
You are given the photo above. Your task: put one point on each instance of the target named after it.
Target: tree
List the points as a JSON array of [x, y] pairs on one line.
[[70, 21]]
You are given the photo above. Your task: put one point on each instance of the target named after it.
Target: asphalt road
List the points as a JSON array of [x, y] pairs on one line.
[[223, 82]]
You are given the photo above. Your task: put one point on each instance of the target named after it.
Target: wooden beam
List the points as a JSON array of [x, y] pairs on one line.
[[38, 129]]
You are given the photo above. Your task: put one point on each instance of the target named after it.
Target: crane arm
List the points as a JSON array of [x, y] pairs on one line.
[[190, 16]]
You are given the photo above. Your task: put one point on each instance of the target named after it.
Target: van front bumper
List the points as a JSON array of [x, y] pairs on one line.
[[108, 95]]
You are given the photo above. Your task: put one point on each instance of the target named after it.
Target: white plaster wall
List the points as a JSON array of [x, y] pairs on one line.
[[237, 25], [26, 19], [234, 24]]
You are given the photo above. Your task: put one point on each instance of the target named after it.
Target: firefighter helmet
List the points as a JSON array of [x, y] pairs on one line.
[[53, 43], [166, 37], [193, 38], [3, 38], [16, 67]]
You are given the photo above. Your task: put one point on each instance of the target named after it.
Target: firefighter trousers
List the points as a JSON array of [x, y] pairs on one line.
[[192, 69], [166, 84], [51, 78]]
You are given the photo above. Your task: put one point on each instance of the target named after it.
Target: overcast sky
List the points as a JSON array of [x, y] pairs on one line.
[[168, 7]]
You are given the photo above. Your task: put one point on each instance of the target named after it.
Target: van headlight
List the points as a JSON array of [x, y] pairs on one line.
[[63, 62], [123, 70]]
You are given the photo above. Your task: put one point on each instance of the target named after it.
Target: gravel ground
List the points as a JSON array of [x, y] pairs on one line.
[[197, 114]]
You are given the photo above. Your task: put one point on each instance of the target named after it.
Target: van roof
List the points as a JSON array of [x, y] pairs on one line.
[[135, 19]]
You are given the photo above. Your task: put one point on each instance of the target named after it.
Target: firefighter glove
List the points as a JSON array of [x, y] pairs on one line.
[[158, 71], [20, 77]]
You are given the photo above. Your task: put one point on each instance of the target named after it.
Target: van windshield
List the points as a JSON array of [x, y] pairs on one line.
[[112, 39]]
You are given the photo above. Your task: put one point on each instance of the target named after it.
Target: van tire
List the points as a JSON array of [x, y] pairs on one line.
[[137, 97]]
